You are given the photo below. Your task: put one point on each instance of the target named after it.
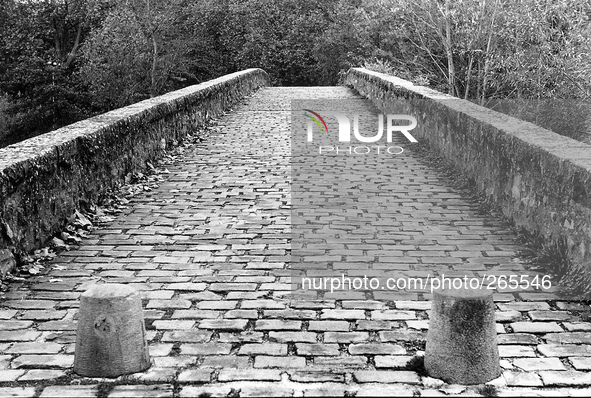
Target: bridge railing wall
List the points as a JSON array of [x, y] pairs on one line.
[[43, 180], [540, 179]]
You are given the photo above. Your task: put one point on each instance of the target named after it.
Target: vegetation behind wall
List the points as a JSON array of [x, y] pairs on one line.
[[62, 61]]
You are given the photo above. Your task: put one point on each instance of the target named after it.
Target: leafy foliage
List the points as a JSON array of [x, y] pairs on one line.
[[63, 60], [278, 36], [117, 62], [482, 49], [38, 59]]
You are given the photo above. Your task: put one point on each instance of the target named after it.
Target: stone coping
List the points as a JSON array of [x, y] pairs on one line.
[[45, 178], [540, 179]]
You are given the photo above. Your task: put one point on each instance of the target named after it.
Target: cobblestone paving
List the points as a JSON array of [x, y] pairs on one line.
[[209, 250]]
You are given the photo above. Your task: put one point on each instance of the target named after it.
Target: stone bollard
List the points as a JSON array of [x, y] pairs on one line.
[[462, 337], [111, 337]]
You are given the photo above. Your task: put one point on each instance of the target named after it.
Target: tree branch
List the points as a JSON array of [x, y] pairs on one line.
[[72, 53]]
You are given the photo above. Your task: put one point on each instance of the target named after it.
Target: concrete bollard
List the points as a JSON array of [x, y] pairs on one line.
[[462, 337], [111, 336]]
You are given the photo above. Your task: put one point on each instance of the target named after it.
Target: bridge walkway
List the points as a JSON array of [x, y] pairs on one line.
[[209, 248]]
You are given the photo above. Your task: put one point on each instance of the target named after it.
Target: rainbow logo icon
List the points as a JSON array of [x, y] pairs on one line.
[[316, 120]]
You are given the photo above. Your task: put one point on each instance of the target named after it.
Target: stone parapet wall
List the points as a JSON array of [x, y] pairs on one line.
[[44, 179], [540, 179]]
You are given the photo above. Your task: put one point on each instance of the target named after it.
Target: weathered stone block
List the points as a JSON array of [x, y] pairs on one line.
[[462, 339], [111, 337]]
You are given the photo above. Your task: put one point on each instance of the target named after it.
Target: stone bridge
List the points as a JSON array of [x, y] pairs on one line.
[[208, 239]]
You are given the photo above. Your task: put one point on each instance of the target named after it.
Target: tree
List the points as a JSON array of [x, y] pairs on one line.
[[278, 36], [62, 60], [215, 31], [346, 42], [482, 49], [39, 46], [141, 50]]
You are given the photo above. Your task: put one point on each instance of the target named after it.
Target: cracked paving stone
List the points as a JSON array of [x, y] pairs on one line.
[[69, 391], [7, 375], [15, 325], [148, 391], [223, 324], [249, 374], [19, 336], [567, 350], [206, 349], [24, 392], [565, 378], [195, 375], [272, 349], [522, 379], [43, 361], [42, 374], [279, 362], [186, 336], [534, 364], [395, 376], [34, 348]]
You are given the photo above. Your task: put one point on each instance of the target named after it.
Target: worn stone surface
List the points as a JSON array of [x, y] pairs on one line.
[[111, 337], [529, 171], [222, 216], [76, 163], [461, 342]]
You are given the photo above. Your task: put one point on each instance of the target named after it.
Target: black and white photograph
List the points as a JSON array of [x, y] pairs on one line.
[[295, 198]]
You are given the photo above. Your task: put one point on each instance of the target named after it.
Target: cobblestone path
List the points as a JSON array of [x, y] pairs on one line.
[[209, 249]]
